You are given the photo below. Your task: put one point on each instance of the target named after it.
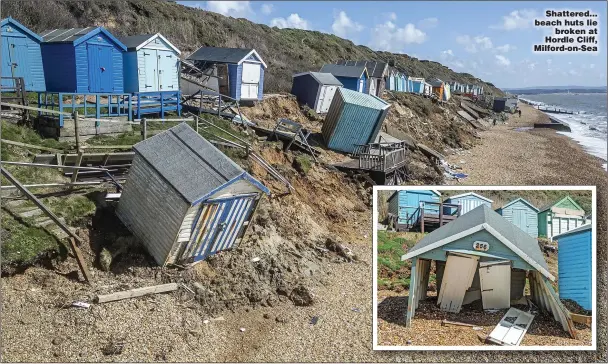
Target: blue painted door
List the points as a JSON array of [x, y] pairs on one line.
[[100, 68], [16, 62], [218, 226], [167, 68], [7, 69], [150, 70]]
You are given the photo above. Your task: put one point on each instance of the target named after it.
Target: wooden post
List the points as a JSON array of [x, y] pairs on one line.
[[144, 129], [410, 301], [422, 217], [440, 214], [76, 131], [78, 162]]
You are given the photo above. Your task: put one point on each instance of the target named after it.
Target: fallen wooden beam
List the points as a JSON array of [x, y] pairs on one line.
[[137, 292], [581, 319], [81, 264], [30, 146], [455, 323]]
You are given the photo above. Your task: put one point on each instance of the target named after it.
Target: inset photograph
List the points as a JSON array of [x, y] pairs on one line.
[[460, 268]]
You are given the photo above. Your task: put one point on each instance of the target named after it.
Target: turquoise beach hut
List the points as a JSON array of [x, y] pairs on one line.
[[522, 214]]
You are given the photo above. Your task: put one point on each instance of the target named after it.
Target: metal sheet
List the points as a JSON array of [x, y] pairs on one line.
[[512, 327]]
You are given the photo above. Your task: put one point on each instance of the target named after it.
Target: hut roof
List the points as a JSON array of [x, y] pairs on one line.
[[136, 42], [21, 27], [484, 218], [192, 165], [344, 71], [322, 78], [224, 55], [522, 200], [578, 229], [77, 35], [396, 192], [361, 99], [548, 206], [376, 69], [471, 194]]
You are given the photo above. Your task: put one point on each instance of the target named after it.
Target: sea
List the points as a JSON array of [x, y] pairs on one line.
[[588, 124]]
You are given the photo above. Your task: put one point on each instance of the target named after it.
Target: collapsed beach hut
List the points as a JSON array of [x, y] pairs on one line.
[[418, 210], [151, 63], [575, 265], [353, 119], [21, 57], [468, 201], [315, 89], [83, 60], [482, 256], [377, 74], [185, 200], [560, 217], [234, 72], [352, 77], [522, 214]]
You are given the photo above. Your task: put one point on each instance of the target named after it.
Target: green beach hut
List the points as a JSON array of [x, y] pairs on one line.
[[560, 217]]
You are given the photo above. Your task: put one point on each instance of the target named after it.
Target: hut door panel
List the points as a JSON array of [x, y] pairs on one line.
[[372, 87], [251, 73], [495, 278], [457, 278], [167, 65], [7, 70], [201, 228], [150, 70], [520, 219], [18, 58], [236, 212], [100, 68], [327, 95]]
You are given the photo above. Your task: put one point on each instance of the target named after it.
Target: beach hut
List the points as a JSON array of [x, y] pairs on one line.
[[395, 77], [522, 214], [82, 60], [417, 85], [428, 89], [315, 89], [151, 63], [560, 217], [352, 77], [438, 88], [404, 206], [447, 92], [468, 201], [235, 72], [377, 75], [403, 82], [481, 256], [575, 265], [185, 200], [353, 119], [21, 56], [390, 80]]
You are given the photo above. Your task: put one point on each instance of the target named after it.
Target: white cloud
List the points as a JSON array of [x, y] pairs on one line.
[[344, 26], [505, 48], [389, 37], [267, 9], [428, 23], [235, 9], [474, 44], [392, 16], [447, 53], [292, 21], [502, 60], [517, 19]]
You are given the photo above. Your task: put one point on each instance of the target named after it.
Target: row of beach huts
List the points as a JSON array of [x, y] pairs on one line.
[[493, 255]]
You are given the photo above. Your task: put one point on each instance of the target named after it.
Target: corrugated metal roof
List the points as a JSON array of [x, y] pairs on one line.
[[375, 68], [221, 55], [361, 99], [343, 71], [65, 35], [188, 162], [485, 215], [133, 41]]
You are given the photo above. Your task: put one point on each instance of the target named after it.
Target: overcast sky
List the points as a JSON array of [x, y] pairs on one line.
[[491, 40]]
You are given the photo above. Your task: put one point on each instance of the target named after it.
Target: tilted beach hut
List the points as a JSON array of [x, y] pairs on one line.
[[353, 119], [352, 77], [403, 205], [82, 60], [468, 201], [21, 56], [315, 89], [150, 64], [185, 200], [377, 75], [575, 265], [560, 217], [235, 72], [522, 214], [481, 256]]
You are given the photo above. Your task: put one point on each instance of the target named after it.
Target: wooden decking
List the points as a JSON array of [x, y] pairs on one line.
[[430, 216]]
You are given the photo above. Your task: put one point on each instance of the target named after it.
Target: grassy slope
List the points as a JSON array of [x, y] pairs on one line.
[[286, 51], [392, 272]]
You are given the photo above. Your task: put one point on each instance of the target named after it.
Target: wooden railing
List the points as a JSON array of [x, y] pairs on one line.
[[380, 156]]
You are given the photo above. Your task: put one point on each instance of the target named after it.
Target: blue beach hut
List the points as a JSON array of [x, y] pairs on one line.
[[575, 265], [522, 214], [21, 56], [83, 60], [352, 77], [404, 205]]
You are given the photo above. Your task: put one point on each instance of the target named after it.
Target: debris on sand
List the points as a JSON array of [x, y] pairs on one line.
[[114, 347], [340, 249], [301, 296]]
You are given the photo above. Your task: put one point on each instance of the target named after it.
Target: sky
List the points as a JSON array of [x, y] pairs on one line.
[[488, 39]]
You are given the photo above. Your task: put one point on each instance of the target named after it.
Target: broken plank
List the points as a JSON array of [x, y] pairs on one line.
[[581, 319], [455, 323], [137, 292], [81, 264], [30, 146], [430, 152]]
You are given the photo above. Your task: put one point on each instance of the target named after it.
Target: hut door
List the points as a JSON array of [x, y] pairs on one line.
[[495, 279], [372, 87], [327, 95], [457, 278], [167, 67], [520, 219], [100, 68], [218, 226], [150, 70], [7, 70], [250, 80], [18, 58]]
